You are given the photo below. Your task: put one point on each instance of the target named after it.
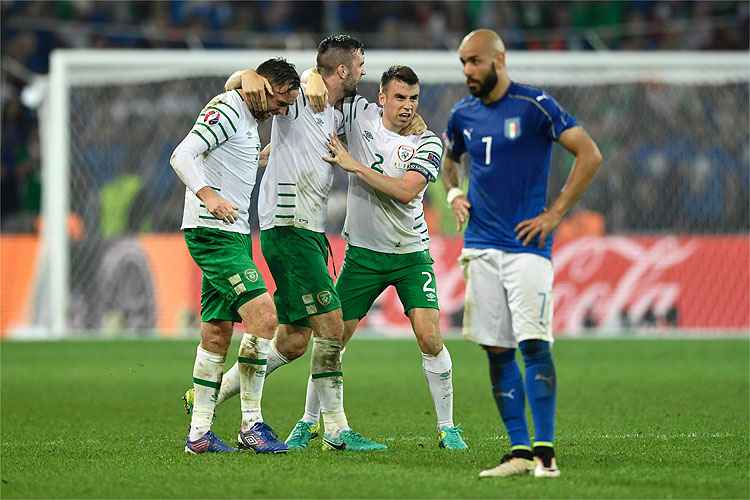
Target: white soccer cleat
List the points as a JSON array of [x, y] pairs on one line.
[[510, 466], [540, 470]]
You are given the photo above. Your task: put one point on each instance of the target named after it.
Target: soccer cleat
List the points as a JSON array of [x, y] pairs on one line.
[[208, 443], [510, 466], [451, 438], [301, 435], [261, 439], [187, 399], [350, 441], [545, 463]]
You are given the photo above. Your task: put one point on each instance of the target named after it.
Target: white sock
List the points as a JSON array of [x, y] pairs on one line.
[[252, 360], [437, 371], [206, 381], [312, 402], [275, 359], [328, 380], [230, 384]]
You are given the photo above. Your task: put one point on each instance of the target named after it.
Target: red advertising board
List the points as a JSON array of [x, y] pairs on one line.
[[611, 283]]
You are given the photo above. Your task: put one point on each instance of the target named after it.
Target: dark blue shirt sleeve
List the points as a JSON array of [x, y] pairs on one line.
[[557, 119], [454, 139]]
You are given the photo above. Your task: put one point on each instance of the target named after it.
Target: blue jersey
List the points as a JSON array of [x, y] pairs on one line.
[[510, 144]]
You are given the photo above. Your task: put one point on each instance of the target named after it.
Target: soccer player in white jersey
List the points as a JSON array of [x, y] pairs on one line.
[[385, 228], [217, 161], [507, 130], [292, 212]]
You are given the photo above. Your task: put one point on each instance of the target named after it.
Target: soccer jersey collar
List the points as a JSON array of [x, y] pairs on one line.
[[501, 99]]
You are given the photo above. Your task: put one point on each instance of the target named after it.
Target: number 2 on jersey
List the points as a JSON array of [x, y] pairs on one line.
[[487, 140], [426, 287]]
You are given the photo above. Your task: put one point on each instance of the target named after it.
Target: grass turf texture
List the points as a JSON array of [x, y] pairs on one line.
[[637, 418]]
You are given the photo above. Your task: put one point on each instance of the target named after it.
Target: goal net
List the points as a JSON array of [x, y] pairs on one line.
[[659, 241]]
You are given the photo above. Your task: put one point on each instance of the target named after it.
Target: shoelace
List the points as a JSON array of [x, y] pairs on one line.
[[454, 431], [356, 436], [297, 432]]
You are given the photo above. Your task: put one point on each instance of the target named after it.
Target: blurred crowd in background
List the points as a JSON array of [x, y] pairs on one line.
[[674, 161]]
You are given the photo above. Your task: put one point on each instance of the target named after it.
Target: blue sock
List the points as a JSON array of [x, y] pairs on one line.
[[507, 388], [541, 387]]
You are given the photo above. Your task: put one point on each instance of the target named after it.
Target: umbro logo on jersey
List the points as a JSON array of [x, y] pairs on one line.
[[319, 121], [467, 132], [367, 135]]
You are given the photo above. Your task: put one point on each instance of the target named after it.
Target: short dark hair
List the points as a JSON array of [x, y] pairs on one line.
[[336, 49], [401, 73], [279, 72]]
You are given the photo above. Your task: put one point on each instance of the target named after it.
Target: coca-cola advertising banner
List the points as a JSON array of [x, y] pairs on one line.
[[602, 284], [613, 283]]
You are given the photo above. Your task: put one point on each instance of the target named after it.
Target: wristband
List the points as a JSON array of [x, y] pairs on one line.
[[454, 193]]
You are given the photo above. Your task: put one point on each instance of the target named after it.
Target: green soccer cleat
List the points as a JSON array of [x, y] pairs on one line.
[[187, 400], [301, 435], [350, 441], [451, 438]]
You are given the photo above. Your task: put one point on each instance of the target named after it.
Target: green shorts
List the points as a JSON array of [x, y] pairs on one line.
[[298, 260], [367, 273], [230, 277]]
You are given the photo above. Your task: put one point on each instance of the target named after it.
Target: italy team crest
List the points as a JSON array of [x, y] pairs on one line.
[[513, 128]]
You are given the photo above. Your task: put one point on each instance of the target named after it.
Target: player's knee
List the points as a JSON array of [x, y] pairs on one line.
[[259, 316], [329, 325], [267, 322], [215, 338], [534, 348], [430, 341]]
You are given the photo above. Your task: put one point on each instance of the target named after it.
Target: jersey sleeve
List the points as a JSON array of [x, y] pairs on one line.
[[557, 119], [218, 121], [358, 109], [428, 157], [454, 138]]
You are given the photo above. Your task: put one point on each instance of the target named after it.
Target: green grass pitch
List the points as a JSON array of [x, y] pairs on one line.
[[636, 419]]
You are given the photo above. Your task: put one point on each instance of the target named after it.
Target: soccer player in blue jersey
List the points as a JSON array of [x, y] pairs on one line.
[[507, 130]]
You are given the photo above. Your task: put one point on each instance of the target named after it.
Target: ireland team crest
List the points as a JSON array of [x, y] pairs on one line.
[[251, 275], [324, 297], [513, 128], [405, 153]]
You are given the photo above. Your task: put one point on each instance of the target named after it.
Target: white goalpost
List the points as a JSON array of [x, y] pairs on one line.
[[105, 94]]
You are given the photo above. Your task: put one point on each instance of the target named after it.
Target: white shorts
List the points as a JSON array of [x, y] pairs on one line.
[[508, 297]]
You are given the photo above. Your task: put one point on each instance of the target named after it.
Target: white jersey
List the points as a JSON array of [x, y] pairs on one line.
[[229, 161], [294, 189], [374, 220]]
